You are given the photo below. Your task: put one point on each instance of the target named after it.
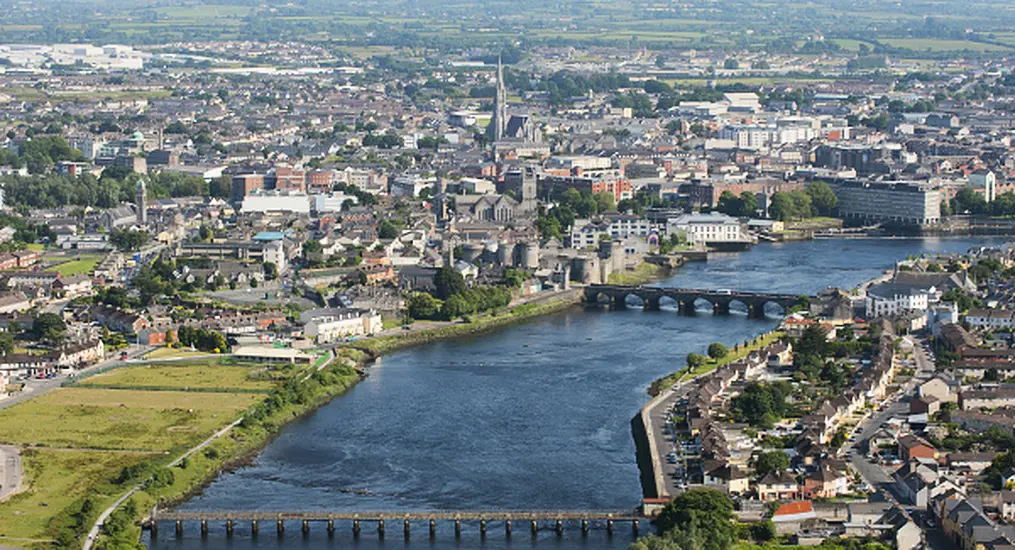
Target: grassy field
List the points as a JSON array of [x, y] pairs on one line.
[[118, 419], [82, 265], [644, 273], [184, 377], [77, 440], [174, 353], [935, 45], [55, 480]]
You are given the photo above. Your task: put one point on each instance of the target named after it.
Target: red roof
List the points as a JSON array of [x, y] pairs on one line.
[[791, 508]]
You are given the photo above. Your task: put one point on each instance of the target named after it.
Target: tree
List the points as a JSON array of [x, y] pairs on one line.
[[423, 306], [695, 360], [749, 205], [653, 542], [706, 514], [605, 201], [456, 306], [50, 328], [773, 461], [729, 204], [717, 350], [270, 271], [763, 531], [731, 64], [6, 343], [822, 197], [128, 240], [448, 282], [968, 200], [387, 230]]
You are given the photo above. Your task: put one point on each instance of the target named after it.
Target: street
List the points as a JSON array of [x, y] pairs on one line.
[[10, 471], [34, 387]]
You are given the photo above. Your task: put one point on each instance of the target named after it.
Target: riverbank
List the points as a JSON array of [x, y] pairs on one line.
[[256, 428], [555, 303], [649, 426]]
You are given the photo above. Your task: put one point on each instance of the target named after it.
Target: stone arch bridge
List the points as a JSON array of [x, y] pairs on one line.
[[685, 298]]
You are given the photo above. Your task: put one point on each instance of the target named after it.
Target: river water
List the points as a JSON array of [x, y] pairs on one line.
[[535, 417]]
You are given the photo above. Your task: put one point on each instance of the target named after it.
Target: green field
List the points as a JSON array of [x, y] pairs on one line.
[[119, 419], [207, 376], [936, 45], [82, 265], [54, 480]]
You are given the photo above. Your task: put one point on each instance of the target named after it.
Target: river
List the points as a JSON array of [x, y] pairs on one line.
[[535, 416]]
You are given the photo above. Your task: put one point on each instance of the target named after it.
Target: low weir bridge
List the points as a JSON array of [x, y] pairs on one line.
[[685, 298], [559, 519]]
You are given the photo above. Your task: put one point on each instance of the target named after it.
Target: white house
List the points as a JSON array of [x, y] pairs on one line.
[[894, 298], [334, 324], [707, 228], [991, 318]]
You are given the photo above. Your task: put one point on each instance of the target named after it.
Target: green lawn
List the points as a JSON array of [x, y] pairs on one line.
[[81, 417], [82, 265]]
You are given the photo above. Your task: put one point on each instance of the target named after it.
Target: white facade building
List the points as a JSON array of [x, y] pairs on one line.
[[893, 299], [991, 318], [276, 201], [332, 202], [339, 324], [707, 228]]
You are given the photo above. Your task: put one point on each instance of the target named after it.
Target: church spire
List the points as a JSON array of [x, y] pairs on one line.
[[499, 105]]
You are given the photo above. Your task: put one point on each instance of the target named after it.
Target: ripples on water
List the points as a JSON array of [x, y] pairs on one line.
[[536, 416]]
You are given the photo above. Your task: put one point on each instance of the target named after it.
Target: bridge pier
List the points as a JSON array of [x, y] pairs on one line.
[[229, 528], [253, 527], [721, 308], [355, 528], [380, 528], [179, 528], [280, 527], [154, 526], [331, 527], [482, 527], [306, 528], [458, 528], [609, 527], [686, 307], [433, 529], [535, 528], [559, 527], [204, 528], [408, 530], [507, 528], [585, 527], [618, 302], [634, 527], [651, 303]]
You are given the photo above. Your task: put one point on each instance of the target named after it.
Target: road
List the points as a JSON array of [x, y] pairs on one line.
[[10, 471], [34, 388], [93, 533], [874, 474]]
